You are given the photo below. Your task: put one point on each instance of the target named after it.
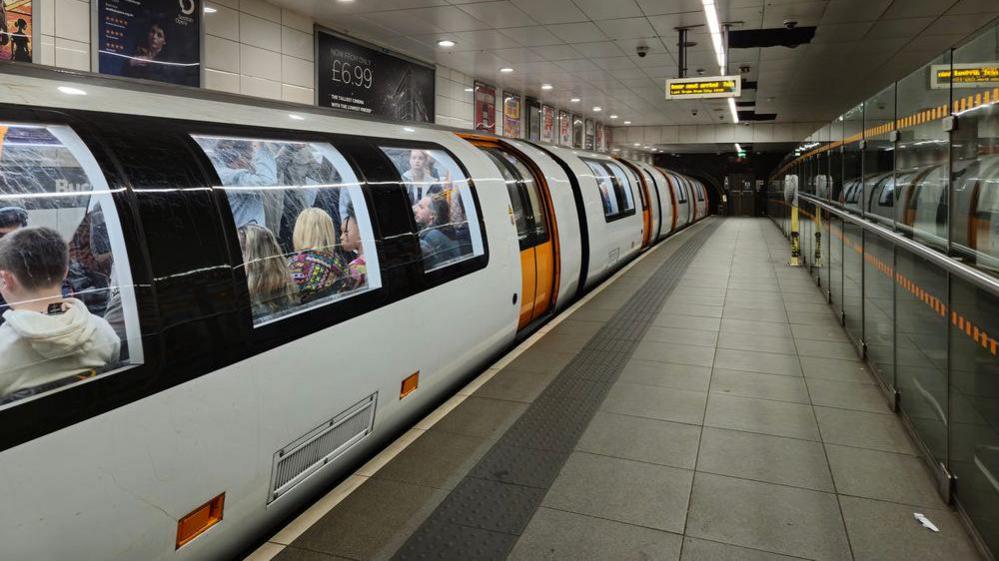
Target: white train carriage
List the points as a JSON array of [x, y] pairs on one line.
[[290, 286]]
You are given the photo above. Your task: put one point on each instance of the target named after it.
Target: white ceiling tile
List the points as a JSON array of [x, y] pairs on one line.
[[614, 63], [627, 28], [892, 28], [849, 11], [600, 49], [915, 8], [607, 9], [499, 14], [532, 36], [519, 54], [841, 32], [478, 40], [557, 52], [577, 65], [657, 7], [956, 24], [665, 25], [974, 7], [805, 13], [583, 32], [551, 11], [628, 73]]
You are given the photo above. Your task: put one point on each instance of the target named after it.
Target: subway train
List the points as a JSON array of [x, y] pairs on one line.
[[288, 287]]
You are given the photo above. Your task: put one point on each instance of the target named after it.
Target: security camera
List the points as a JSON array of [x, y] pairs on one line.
[[744, 69], [693, 112], [642, 50], [790, 23], [700, 72]]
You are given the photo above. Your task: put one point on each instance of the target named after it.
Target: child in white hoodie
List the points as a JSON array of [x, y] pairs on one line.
[[45, 337]]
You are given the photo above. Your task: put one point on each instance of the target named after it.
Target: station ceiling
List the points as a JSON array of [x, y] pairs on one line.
[[588, 48]]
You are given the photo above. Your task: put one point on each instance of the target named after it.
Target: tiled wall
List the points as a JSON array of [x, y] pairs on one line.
[[255, 48], [252, 48]]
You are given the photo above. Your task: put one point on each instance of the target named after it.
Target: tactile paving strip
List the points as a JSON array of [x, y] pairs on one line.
[[483, 517]]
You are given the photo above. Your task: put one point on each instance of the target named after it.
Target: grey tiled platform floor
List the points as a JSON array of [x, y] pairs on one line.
[[743, 428]]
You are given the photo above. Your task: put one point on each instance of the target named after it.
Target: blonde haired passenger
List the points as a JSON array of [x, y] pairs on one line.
[[316, 268], [267, 272]]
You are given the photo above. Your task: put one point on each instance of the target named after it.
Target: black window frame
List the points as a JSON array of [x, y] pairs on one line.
[[619, 194], [533, 239]]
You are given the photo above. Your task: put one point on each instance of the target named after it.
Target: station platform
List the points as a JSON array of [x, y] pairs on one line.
[[704, 404]]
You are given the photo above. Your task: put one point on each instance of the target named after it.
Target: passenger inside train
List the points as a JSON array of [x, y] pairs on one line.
[[47, 337], [317, 268]]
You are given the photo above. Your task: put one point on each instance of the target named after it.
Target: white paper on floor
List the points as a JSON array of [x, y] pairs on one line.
[[925, 521]]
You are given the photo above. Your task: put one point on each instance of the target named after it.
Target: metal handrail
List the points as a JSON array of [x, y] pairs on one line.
[[949, 264]]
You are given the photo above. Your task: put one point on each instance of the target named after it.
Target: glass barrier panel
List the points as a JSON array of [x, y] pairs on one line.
[[879, 157], [921, 342], [975, 154], [974, 406], [853, 169], [879, 307], [921, 156], [836, 250], [853, 282]]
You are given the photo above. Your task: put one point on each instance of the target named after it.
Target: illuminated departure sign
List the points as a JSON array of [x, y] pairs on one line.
[[704, 87], [965, 75]]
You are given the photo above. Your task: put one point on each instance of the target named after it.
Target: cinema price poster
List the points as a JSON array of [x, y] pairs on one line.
[[150, 39], [589, 134], [485, 108], [564, 128], [371, 80], [16, 31], [548, 124], [598, 139], [513, 116]]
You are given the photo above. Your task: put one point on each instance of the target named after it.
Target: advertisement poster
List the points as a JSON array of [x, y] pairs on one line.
[[577, 131], [372, 81], [485, 108], [564, 128], [512, 116], [598, 138], [150, 39], [590, 132], [16, 30], [548, 124], [608, 138], [533, 120]]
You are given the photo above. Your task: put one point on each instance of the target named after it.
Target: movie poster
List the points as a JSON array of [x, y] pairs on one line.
[[608, 138], [533, 120], [577, 131], [485, 108], [598, 137], [564, 128], [548, 124], [513, 116], [589, 134], [372, 81], [16, 30], [150, 39]]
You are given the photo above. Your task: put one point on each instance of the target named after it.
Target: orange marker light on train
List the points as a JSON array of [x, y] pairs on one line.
[[200, 520], [409, 384]]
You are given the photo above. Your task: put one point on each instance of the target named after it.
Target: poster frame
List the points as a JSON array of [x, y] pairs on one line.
[[566, 117], [36, 34], [475, 113], [317, 29], [519, 120], [531, 103], [550, 139], [95, 45]]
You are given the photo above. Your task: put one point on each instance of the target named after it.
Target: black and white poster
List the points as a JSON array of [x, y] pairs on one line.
[[150, 39], [372, 81]]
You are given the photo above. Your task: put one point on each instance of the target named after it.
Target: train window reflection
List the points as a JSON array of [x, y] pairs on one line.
[[66, 294], [442, 203], [614, 186], [302, 222]]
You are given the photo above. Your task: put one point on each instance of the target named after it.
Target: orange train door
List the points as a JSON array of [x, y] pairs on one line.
[[531, 205], [643, 191]]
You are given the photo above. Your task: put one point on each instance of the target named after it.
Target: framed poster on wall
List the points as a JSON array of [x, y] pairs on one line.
[[598, 137], [577, 131], [589, 132], [512, 115], [372, 80], [533, 119], [485, 108], [18, 33], [608, 138], [149, 39], [547, 124], [564, 128]]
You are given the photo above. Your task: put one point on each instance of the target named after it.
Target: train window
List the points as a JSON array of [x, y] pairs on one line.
[[925, 210], [443, 206], [681, 193], [516, 199], [529, 214], [66, 293], [700, 192], [301, 219], [615, 189]]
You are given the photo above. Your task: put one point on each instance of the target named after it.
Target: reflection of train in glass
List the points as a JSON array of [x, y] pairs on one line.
[[915, 202], [289, 291]]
